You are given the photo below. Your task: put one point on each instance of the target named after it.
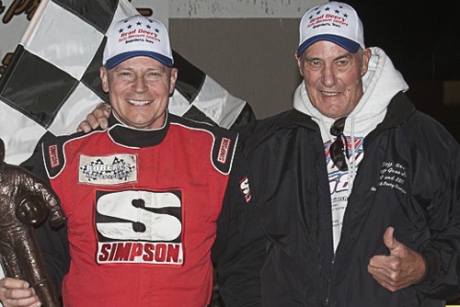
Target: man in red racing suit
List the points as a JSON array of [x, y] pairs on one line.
[[141, 211], [142, 199]]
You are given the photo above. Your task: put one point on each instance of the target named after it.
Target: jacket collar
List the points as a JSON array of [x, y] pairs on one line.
[[133, 137]]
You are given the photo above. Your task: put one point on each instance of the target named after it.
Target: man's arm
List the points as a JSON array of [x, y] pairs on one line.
[[240, 246], [98, 118], [436, 183]]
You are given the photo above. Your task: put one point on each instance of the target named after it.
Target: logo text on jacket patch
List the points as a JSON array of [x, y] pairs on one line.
[[223, 150], [53, 154], [114, 169], [393, 175], [138, 226], [140, 252]]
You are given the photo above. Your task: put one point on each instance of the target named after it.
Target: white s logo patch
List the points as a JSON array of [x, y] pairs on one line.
[[132, 218], [245, 189]]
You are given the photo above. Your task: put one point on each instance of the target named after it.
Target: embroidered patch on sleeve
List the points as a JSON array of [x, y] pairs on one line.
[[245, 189], [223, 150], [54, 156]]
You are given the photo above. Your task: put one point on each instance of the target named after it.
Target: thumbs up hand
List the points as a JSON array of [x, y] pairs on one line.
[[400, 269]]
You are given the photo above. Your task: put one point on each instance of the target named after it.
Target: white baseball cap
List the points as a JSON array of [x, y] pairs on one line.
[[333, 21], [137, 36]]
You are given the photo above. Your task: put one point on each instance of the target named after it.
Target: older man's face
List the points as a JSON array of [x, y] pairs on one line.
[[139, 90], [333, 77]]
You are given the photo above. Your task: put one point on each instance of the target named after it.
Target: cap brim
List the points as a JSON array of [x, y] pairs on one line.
[[114, 61], [345, 43]]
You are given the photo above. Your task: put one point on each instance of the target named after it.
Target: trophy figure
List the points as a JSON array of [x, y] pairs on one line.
[[26, 201]]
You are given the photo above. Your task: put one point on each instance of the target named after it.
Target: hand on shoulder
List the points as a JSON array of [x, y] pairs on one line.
[[97, 118]]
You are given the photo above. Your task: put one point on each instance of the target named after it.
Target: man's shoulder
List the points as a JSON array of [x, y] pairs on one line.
[[54, 148], [222, 144], [425, 131], [60, 140], [422, 133], [193, 125], [260, 130]]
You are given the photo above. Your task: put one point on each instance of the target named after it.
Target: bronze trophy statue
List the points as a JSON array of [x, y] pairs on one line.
[[26, 201]]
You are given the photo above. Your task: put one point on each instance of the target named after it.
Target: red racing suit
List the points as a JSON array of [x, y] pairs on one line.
[[142, 207]]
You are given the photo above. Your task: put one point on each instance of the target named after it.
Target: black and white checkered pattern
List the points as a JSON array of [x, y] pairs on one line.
[[52, 82]]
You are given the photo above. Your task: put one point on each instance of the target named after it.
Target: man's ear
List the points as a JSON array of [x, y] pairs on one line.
[[366, 58], [104, 79], [173, 80], [299, 62]]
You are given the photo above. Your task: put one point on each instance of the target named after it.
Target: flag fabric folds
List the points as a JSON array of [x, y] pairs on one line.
[[52, 81]]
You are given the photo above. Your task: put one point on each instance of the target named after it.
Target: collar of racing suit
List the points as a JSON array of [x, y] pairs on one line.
[[134, 137]]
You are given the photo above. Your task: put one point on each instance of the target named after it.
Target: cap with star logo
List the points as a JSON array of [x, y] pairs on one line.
[[137, 36], [333, 21]]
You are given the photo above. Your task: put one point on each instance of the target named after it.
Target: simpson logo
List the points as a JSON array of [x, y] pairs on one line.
[[244, 189], [139, 227], [140, 252], [53, 154], [114, 169], [223, 150]]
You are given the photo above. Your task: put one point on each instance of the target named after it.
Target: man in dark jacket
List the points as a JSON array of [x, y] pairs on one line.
[[353, 197]]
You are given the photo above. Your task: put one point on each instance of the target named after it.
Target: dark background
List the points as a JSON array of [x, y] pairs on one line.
[[422, 38]]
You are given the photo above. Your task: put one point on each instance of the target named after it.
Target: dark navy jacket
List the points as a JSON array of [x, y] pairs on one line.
[[274, 245]]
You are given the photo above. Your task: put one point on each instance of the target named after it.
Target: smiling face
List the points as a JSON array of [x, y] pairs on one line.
[[139, 90], [333, 77]]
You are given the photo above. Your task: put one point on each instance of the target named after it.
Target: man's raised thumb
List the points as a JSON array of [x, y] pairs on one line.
[[389, 239]]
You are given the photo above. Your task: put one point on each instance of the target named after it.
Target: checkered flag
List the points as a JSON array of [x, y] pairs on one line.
[[52, 81]]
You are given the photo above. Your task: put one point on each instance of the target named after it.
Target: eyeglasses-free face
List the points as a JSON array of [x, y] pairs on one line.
[[339, 147]]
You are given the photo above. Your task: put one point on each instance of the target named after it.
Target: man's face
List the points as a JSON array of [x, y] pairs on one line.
[[139, 90], [333, 77]]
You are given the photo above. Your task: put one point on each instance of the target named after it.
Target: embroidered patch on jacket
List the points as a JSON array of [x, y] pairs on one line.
[[139, 227], [114, 169], [245, 189], [223, 150], [54, 156], [393, 175]]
